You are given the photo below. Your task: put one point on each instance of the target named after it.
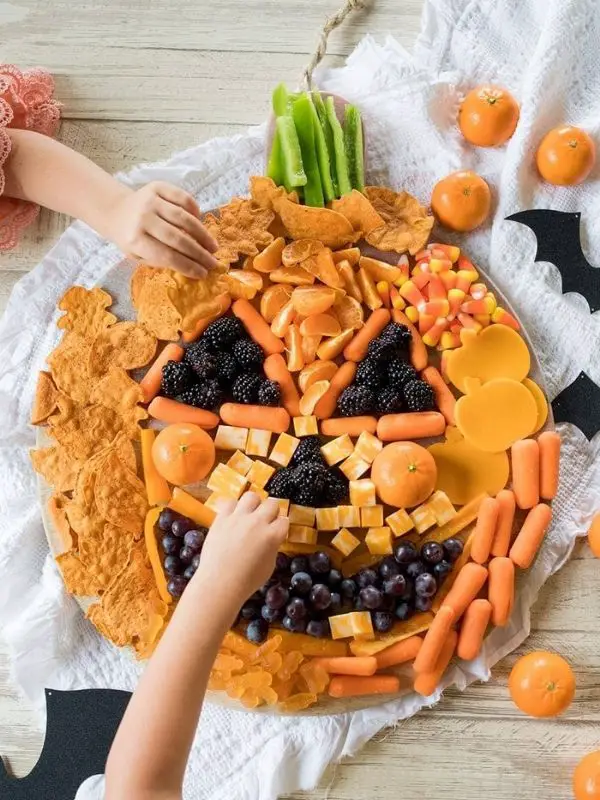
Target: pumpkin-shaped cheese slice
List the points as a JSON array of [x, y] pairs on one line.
[[496, 352]]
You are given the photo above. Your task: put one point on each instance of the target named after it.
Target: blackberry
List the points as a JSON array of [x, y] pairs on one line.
[[396, 334], [419, 396], [309, 450], [399, 373], [207, 395], [336, 487], [177, 376], [223, 332], [281, 484], [226, 369], [269, 393], [370, 374], [356, 401], [245, 388], [248, 354], [309, 484], [202, 362], [389, 401], [380, 349]]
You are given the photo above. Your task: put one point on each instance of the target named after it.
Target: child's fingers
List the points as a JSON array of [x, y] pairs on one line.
[[278, 530], [225, 507], [159, 255], [248, 502], [181, 218], [268, 510], [176, 195], [180, 241]]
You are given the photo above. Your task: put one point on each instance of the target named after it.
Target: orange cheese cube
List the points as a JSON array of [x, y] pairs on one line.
[[260, 473], [362, 493], [423, 518], [240, 462], [356, 623], [345, 542], [262, 493], [362, 625], [367, 446], [349, 516], [227, 481], [213, 500], [354, 466], [302, 534], [379, 541], [258, 442], [283, 449], [371, 517], [400, 522], [337, 449], [229, 437], [327, 519], [443, 510], [306, 426], [284, 506], [302, 515]]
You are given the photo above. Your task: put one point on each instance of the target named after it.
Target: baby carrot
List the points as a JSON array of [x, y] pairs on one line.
[[353, 426], [399, 653], [150, 383], [167, 410], [549, 443], [349, 665], [276, 370], [525, 462], [506, 516], [410, 425], [157, 488], [257, 327], [342, 378], [501, 589], [485, 528], [356, 350], [418, 351], [265, 418], [473, 628], [435, 639], [353, 685], [444, 398], [467, 586], [426, 682], [530, 536]]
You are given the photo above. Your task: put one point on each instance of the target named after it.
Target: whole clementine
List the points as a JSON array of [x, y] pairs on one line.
[[594, 536], [461, 201], [404, 474], [488, 116], [542, 684], [586, 777], [566, 156], [183, 453]]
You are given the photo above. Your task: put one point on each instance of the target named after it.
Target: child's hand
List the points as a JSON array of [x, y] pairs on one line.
[[160, 224], [241, 546]]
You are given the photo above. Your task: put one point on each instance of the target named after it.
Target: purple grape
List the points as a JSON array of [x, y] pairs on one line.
[[336, 603], [335, 578], [176, 586], [432, 552], [257, 631], [319, 562], [172, 565], [166, 518], [189, 573], [388, 568], [388, 603], [425, 585], [348, 588], [371, 597], [296, 608], [359, 605], [409, 592], [415, 568], [277, 596], [250, 611], [395, 586], [382, 621], [196, 561], [270, 614], [453, 549], [282, 562], [194, 539], [266, 586], [405, 552], [320, 597], [301, 583], [299, 564], [319, 628], [181, 526], [423, 603], [367, 577], [441, 570], [404, 611], [170, 545], [294, 625], [186, 554]]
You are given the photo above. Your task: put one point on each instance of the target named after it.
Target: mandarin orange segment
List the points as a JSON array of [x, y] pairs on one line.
[[331, 348], [320, 325], [368, 289], [350, 282], [309, 300], [293, 343], [315, 677], [273, 299], [310, 345], [283, 319], [349, 312], [297, 702], [312, 396], [317, 371], [242, 283]]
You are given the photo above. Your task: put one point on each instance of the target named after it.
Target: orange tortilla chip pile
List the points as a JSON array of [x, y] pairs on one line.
[[407, 223]]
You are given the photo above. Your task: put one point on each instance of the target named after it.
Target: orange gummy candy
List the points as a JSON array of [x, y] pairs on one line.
[[315, 677], [250, 699], [298, 702], [291, 662], [226, 663], [272, 662], [270, 646], [268, 695], [239, 645], [218, 680], [238, 684], [283, 688]]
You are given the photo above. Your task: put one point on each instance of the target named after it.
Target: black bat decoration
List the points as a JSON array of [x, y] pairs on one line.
[[79, 732], [579, 403], [558, 242]]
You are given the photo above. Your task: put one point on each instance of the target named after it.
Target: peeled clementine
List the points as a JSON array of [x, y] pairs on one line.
[[542, 684], [183, 453], [566, 156], [404, 474], [243, 283], [488, 116], [461, 201], [586, 778], [349, 312], [320, 325], [309, 300], [273, 299], [317, 371], [312, 396]]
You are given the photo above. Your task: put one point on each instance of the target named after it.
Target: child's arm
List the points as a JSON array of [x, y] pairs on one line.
[[158, 223], [150, 751]]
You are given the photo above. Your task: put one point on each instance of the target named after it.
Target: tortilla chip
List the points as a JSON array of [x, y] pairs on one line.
[[44, 402], [88, 430], [139, 278], [197, 299], [69, 366], [296, 252], [56, 508], [118, 391], [105, 556], [157, 311], [79, 580], [240, 229], [86, 311], [120, 495], [265, 192], [358, 211], [407, 223], [306, 222], [126, 344], [57, 467]]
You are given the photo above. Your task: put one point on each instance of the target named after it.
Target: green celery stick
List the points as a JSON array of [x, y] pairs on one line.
[[353, 139], [322, 155], [293, 168], [341, 165], [302, 114], [326, 128]]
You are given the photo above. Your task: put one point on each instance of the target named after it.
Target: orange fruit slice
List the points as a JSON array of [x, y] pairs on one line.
[[320, 325], [378, 270], [317, 371], [368, 289], [311, 397], [349, 312], [283, 319], [273, 300], [309, 348], [350, 254], [331, 348], [298, 251], [242, 283], [349, 279], [269, 258], [323, 267], [294, 275], [309, 300], [293, 343]]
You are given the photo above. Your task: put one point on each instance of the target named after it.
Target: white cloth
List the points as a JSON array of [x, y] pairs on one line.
[[546, 53]]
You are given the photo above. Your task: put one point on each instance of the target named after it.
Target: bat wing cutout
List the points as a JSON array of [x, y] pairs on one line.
[[80, 729], [579, 403], [559, 242]]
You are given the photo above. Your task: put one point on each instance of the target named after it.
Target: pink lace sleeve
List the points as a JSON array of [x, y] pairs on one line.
[[26, 102]]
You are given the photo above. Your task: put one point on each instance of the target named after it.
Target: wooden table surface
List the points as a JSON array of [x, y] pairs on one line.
[[140, 80]]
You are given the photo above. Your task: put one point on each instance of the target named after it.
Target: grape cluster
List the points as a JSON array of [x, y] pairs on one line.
[[182, 541]]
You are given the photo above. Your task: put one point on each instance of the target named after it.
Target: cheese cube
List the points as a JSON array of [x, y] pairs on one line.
[[262, 493], [367, 446], [349, 516], [302, 534], [213, 500], [227, 481], [379, 541], [240, 462], [353, 467], [258, 442], [229, 437], [283, 449], [362, 493], [356, 623], [400, 522], [337, 449], [371, 517], [328, 519], [260, 473], [306, 426], [440, 504], [362, 625], [423, 518], [345, 542], [302, 515], [284, 506]]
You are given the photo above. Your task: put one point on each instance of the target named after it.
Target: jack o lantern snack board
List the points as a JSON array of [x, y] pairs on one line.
[[365, 392]]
